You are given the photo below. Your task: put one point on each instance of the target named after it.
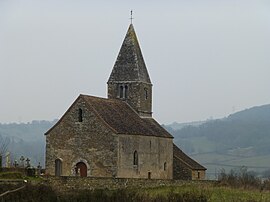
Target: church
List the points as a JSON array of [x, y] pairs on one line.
[[117, 136]]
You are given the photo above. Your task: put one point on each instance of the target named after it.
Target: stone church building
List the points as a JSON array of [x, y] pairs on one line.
[[117, 136]]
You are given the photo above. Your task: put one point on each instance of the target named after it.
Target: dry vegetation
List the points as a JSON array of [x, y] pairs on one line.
[[233, 186], [191, 192]]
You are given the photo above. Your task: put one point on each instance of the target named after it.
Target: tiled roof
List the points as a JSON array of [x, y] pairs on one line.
[[119, 116], [130, 65], [179, 154]]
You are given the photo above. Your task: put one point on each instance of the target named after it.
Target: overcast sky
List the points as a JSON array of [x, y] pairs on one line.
[[206, 59]]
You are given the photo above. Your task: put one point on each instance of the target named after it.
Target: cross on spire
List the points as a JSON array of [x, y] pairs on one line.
[[131, 17]]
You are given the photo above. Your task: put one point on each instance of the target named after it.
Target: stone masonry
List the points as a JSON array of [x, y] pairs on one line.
[[116, 137]]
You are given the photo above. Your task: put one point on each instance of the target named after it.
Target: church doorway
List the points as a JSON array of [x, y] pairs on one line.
[[81, 169]]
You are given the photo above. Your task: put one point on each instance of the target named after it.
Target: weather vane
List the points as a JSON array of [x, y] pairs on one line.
[[131, 18]]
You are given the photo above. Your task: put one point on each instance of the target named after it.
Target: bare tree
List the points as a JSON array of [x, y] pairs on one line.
[[4, 142]]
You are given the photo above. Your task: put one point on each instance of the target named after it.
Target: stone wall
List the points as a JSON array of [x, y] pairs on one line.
[[13, 169], [153, 153], [63, 184], [198, 175], [181, 171], [135, 96], [88, 141]]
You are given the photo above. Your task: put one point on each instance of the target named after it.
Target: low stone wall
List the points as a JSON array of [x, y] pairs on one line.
[[63, 184], [6, 182], [20, 170]]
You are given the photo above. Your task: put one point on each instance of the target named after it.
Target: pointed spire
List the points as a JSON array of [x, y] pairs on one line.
[[130, 65]]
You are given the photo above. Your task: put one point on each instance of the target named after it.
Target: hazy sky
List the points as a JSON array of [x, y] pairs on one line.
[[205, 58]]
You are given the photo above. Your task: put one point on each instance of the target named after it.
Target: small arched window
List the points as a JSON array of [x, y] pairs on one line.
[[126, 91], [58, 167], [145, 93], [135, 158], [165, 166], [121, 93], [80, 115]]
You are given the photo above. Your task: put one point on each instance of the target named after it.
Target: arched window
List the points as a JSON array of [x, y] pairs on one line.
[[121, 94], [145, 93], [58, 167], [80, 115], [165, 166], [149, 175], [126, 91], [135, 158]]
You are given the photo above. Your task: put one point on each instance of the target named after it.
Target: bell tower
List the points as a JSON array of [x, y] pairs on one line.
[[129, 79]]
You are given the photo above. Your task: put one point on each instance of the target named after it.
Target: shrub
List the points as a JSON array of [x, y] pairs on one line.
[[266, 184], [239, 178], [31, 193], [124, 195]]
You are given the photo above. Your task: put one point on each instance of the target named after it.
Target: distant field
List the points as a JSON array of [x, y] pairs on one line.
[[205, 152], [215, 162], [260, 162], [199, 144]]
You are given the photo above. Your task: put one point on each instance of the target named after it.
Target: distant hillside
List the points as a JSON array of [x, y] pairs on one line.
[[26, 139], [254, 114], [243, 138], [178, 126]]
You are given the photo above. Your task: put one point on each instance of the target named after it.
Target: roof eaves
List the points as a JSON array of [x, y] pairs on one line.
[[144, 135], [59, 121], [191, 167]]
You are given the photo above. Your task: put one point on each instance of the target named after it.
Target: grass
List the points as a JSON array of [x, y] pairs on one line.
[[191, 191], [230, 194], [188, 192], [208, 192]]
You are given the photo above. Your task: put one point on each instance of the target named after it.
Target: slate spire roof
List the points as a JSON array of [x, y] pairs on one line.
[[130, 65]]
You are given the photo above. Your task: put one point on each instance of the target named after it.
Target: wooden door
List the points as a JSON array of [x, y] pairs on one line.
[[81, 169]]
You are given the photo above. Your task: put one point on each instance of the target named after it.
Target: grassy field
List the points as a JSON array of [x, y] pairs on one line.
[[189, 192], [208, 192], [240, 188]]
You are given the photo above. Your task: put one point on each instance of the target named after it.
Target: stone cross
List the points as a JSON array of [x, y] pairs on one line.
[[16, 164], [131, 18], [39, 168], [22, 161], [27, 162]]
